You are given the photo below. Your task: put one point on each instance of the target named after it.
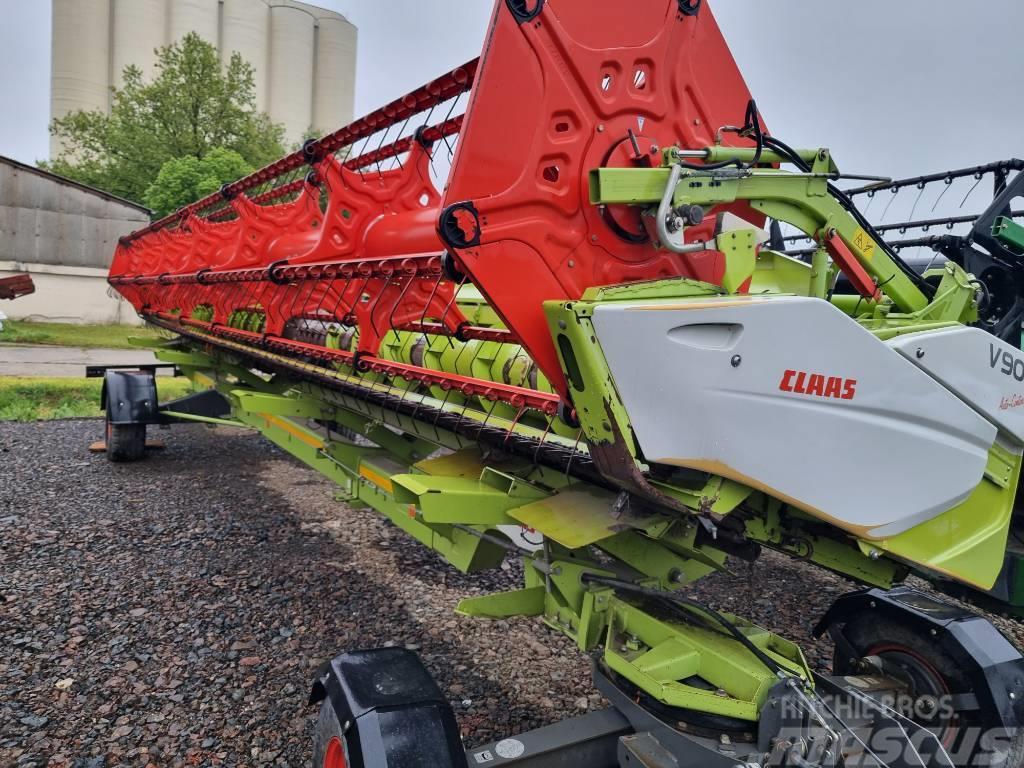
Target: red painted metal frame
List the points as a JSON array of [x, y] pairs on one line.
[[329, 234], [557, 96]]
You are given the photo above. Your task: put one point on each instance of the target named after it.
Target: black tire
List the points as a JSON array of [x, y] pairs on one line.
[[328, 730], [125, 442], [907, 649]]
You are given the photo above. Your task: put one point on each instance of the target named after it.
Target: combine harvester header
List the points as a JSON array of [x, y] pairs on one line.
[[551, 290]]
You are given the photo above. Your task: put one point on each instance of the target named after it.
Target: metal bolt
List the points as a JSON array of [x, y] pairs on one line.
[[600, 128], [571, 263], [919, 353], [593, 238], [561, 325], [736, 360]]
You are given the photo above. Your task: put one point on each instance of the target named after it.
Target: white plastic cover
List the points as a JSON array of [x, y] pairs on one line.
[[790, 395]]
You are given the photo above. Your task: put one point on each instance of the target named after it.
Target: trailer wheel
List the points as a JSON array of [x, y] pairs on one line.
[[125, 442], [934, 681], [329, 747]]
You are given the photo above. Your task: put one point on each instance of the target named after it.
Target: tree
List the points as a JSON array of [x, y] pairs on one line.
[[193, 105], [182, 180]]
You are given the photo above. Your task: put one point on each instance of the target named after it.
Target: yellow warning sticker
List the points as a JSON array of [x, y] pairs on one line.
[[863, 242]]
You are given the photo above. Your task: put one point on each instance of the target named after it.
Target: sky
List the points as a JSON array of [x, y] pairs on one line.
[[892, 87]]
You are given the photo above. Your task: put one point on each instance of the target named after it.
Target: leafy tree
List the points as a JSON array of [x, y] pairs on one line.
[[182, 180], [193, 105]]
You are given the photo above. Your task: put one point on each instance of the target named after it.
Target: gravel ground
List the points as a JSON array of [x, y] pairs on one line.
[[173, 612]]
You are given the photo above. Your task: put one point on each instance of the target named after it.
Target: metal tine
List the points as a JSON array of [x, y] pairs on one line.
[[366, 142], [572, 457], [978, 177], [233, 297], [341, 297], [313, 285], [252, 294], [383, 138], [324, 291], [543, 439], [451, 111], [947, 182], [920, 192], [441, 410], [419, 386], [426, 122], [512, 427], [293, 288], [376, 300], [409, 282], [227, 297], [871, 199], [892, 199], [388, 381], [426, 309], [200, 296], [195, 296], [248, 290], [462, 416], [515, 358], [452, 302], [397, 157]]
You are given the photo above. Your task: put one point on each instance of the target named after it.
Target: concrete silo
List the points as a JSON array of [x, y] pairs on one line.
[[245, 27], [80, 55], [303, 57], [200, 16], [292, 37], [139, 28], [334, 89]]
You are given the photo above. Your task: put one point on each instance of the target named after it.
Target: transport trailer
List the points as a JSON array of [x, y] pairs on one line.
[[553, 291]]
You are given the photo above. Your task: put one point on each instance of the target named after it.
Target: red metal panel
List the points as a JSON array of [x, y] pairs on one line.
[[555, 97]]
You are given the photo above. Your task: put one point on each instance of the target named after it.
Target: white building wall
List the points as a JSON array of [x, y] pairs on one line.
[[246, 29], [334, 92], [80, 57], [292, 32], [200, 16], [139, 28]]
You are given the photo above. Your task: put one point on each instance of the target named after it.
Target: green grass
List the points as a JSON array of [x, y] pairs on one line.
[[68, 335], [31, 398]]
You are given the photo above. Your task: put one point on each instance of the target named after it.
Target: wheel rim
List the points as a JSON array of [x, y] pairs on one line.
[[923, 680], [335, 755]]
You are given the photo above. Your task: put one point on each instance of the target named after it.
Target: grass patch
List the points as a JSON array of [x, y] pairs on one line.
[[31, 398], [69, 335]]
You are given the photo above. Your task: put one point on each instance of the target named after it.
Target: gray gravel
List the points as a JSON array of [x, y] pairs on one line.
[[172, 612]]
